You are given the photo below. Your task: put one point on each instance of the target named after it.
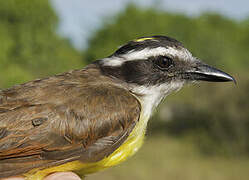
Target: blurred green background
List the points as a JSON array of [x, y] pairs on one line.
[[201, 132]]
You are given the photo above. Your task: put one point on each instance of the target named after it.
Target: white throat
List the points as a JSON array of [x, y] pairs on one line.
[[151, 96]]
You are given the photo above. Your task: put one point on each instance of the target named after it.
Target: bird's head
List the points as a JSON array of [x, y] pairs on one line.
[[158, 64]]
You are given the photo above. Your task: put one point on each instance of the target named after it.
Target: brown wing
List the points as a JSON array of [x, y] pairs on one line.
[[57, 120]]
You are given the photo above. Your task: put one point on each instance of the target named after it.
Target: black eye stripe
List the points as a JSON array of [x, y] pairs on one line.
[[163, 62]]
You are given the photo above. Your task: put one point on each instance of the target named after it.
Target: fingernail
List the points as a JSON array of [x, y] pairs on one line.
[[63, 176]]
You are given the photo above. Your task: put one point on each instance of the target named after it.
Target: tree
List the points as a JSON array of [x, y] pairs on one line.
[[30, 47]]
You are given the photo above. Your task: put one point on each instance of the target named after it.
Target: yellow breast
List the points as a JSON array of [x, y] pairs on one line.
[[128, 148]]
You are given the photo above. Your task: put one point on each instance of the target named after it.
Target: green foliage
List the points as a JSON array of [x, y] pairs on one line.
[[217, 115], [29, 46]]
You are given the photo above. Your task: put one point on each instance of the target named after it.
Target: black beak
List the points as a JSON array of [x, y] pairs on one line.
[[204, 72]]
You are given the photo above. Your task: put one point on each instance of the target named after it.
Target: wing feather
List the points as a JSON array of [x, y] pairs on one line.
[[80, 122]]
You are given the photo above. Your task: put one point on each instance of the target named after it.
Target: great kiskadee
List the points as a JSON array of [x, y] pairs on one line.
[[91, 119]]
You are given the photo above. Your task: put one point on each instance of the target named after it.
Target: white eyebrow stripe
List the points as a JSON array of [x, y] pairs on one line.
[[112, 61], [145, 54]]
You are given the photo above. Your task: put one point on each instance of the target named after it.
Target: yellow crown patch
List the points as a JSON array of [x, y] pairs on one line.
[[143, 39]]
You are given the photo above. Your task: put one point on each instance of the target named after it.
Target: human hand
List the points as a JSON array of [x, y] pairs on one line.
[[54, 176]]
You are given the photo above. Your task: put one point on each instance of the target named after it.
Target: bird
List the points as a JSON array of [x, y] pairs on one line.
[[90, 119]]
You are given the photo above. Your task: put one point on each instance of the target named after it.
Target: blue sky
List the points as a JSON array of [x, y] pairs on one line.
[[79, 18]]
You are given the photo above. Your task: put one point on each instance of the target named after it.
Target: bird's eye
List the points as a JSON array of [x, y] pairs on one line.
[[164, 62]]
